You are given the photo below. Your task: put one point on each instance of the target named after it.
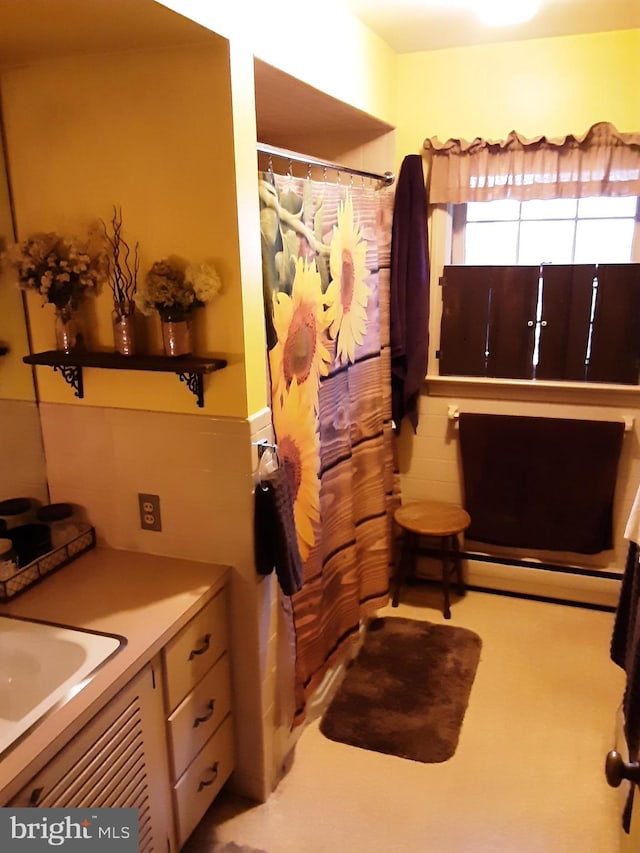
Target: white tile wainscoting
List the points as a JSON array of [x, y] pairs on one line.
[[202, 468], [430, 469]]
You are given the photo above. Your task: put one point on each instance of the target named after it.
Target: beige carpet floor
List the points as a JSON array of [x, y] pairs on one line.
[[528, 773]]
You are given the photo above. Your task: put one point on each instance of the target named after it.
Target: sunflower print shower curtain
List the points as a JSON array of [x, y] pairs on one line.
[[326, 254]]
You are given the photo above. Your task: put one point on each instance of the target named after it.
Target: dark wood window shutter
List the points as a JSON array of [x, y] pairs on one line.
[[615, 338], [512, 316], [486, 316], [465, 319], [589, 328], [566, 311]]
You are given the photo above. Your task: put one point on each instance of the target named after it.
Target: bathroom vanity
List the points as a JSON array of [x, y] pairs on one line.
[[153, 727]]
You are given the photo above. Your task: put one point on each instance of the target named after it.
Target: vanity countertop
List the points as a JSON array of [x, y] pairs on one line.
[[142, 597]]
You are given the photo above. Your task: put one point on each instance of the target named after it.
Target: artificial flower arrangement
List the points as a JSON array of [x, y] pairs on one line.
[[173, 287], [62, 270]]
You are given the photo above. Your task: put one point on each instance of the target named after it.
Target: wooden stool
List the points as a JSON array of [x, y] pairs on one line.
[[440, 520]]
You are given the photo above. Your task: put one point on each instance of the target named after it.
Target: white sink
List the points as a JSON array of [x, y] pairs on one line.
[[42, 666]]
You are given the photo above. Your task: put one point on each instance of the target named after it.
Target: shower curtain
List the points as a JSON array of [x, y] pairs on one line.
[[326, 255]]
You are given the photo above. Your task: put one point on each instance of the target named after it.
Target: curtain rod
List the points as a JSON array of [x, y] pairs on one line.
[[388, 178]]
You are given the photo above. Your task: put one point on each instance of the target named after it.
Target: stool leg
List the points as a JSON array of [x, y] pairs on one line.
[[444, 545], [458, 564], [407, 556]]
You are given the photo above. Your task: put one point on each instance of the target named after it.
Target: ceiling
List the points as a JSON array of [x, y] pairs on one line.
[[417, 25]]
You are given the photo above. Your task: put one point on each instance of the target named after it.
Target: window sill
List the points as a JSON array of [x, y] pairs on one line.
[[533, 390]]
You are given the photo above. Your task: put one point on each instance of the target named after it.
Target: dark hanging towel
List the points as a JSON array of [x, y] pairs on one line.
[[409, 291], [625, 651], [544, 483], [276, 541]]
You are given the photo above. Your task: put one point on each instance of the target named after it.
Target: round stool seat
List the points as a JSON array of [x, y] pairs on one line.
[[443, 521], [432, 518]]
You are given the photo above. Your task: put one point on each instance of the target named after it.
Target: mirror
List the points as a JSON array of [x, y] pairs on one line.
[[22, 461]]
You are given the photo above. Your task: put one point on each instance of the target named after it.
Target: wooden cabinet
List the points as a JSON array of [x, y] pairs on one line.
[[163, 744], [198, 708], [118, 759]]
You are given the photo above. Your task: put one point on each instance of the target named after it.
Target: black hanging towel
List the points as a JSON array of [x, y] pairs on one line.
[[276, 541], [625, 651]]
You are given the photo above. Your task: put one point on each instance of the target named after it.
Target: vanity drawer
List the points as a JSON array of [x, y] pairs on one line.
[[203, 779], [198, 716], [194, 650]]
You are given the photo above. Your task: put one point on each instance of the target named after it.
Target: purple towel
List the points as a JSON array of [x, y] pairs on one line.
[[409, 292], [276, 540]]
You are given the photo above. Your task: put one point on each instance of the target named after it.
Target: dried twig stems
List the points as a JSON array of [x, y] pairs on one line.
[[122, 274]]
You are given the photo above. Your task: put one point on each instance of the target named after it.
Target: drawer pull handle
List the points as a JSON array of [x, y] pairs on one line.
[[206, 784], [207, 716], [34, 799], [203, 648]]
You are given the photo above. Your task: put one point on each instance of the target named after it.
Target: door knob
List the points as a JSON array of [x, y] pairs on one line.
[[616, 769]]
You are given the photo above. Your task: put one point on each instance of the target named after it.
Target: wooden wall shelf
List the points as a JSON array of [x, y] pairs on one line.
[[190, 369]]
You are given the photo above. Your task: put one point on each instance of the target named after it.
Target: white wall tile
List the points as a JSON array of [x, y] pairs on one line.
[[429, 462], [203, 470]]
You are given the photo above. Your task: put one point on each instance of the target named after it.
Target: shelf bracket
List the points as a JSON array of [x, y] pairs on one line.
[[193, 381], [73, 377]]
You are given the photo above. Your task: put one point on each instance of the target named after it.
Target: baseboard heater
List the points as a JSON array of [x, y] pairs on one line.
[[541, 581]]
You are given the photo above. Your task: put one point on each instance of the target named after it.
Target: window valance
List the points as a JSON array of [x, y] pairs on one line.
[[602, 162]]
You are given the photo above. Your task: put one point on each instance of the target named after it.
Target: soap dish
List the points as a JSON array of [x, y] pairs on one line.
[[26, 576]]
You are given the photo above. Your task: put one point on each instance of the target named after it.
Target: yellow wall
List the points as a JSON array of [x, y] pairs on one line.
[[152, 132], [321, 44], [170, 135], [248, 219], [16, 382], [358, 68], [547, 86]]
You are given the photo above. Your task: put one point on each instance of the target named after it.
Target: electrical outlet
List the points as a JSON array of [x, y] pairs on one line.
[[149, 512]]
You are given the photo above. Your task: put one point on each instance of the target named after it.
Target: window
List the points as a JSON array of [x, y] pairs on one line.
[[558, 231], [543, 289], [551, 227]]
